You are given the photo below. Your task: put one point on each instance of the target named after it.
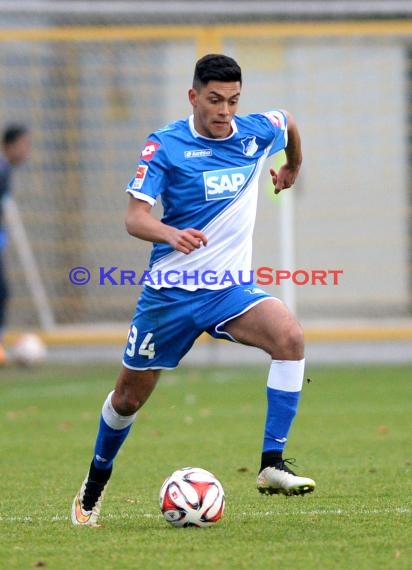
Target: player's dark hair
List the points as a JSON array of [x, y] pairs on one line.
[[216, 67], [12, 133]]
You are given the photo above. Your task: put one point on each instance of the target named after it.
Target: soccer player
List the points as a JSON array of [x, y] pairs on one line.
[[205, 169], [15, 146]]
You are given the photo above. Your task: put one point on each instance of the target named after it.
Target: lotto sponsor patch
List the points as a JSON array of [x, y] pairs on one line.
[[200, 153], [149, 150], [276, 118]]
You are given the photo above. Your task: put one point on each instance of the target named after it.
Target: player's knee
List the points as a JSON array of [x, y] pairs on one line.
[[126, 402], [295, 337], [127, 399], [132, 390], [290, 345]]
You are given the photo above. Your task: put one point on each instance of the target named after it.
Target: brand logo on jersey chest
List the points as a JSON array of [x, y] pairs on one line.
[[200, 153], [226, 183]]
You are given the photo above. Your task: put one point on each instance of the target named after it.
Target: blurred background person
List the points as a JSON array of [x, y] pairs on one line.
[[15, 147]]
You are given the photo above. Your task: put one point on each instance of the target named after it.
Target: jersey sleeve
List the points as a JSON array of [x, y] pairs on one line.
[[279, 123], [151, 175]]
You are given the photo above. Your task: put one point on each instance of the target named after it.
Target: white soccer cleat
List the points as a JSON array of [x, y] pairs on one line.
[[281, 480], [88, 501]]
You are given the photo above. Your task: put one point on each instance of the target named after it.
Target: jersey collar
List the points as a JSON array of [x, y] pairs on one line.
[[199, 136]]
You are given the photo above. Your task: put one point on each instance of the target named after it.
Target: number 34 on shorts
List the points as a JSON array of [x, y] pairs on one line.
[[146, 348]]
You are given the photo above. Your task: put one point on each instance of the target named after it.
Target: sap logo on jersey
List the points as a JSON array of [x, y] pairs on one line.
[[226, 183]]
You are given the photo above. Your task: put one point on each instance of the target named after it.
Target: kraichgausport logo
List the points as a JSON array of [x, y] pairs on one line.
[[175, 277], [226, 183]]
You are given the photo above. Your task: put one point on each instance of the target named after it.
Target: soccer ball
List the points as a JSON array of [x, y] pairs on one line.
[[29, 350], [192, 497]]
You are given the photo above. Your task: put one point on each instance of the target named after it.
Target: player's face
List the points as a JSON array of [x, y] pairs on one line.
[[213, 108], [18, 151]]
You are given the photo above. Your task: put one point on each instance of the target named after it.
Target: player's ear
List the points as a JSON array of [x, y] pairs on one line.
[[192, 96]]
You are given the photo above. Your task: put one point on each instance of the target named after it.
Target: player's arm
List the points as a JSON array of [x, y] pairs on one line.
[[141, 224], [288, 172]]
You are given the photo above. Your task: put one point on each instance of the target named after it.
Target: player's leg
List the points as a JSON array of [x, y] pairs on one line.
[[269, 325], [119, 411], [159, 337]]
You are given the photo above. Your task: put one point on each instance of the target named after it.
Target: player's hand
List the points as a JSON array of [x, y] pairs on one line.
[[187, 240], [284, 178]]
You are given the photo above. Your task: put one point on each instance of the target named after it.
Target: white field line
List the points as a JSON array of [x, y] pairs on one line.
[[244, 515]]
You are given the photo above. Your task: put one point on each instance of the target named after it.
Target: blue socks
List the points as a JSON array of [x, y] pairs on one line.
[[284, 387], [283, 392], [113, 430]]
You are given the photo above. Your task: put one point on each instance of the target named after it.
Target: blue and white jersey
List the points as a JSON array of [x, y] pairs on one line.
[[210, 185]]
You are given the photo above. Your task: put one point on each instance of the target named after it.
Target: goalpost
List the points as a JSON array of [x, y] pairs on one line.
[[28, 262]]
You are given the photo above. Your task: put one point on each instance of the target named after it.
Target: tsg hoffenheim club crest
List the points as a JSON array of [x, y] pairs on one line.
[[249, 146]]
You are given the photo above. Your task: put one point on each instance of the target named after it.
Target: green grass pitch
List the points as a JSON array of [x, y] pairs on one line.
[[352, 435]]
